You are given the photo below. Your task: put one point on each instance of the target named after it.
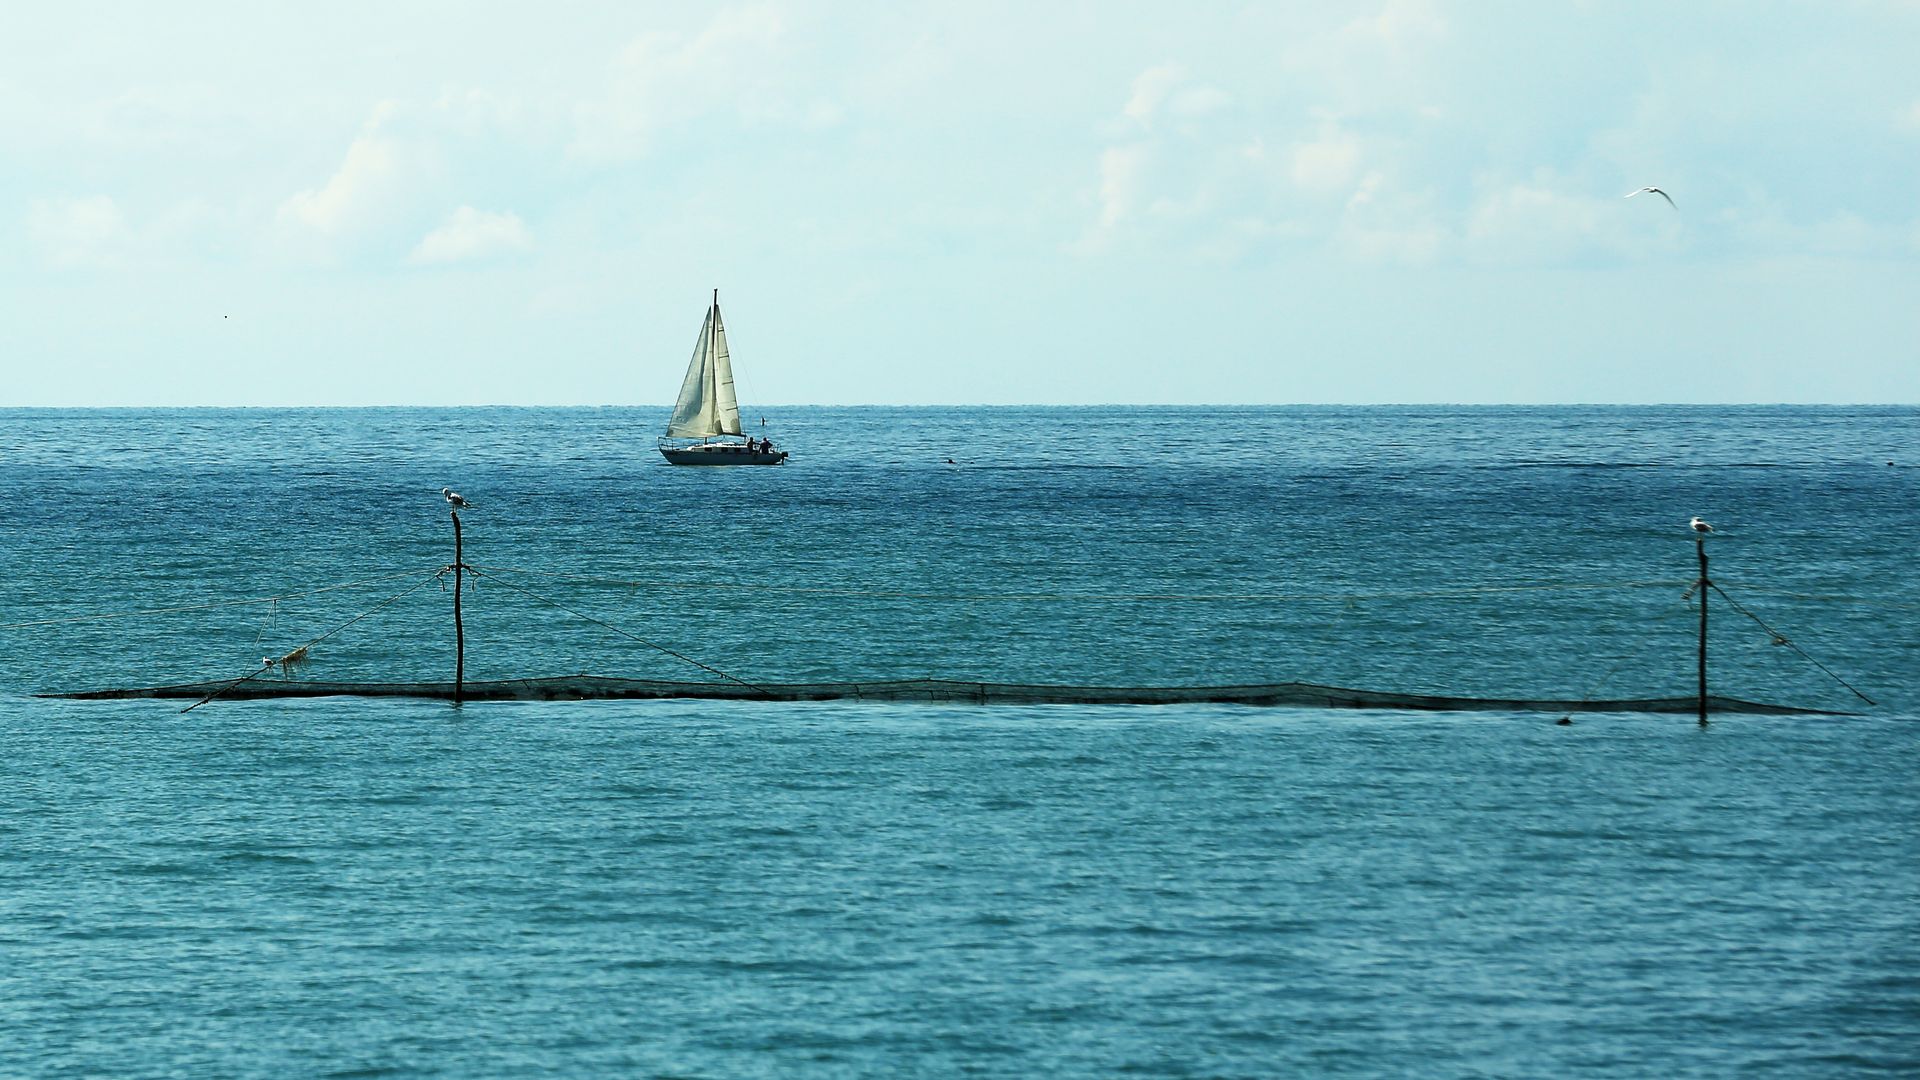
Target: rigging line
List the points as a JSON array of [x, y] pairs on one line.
[[267, 667], [272, 621], [607, 625], [868, 593], [1665, 617], [211, 605], [1782, 639], [1825, 597]]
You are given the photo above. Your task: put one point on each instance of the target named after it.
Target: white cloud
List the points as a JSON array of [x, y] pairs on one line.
[[1530, 220], [1383, 225], [1158, 170], [741, 65], [1412, 244], [476, 113], [1164, 90], [1121, 169], [379, 186], [1382, 64], [1401, 25], [1150, 88], [80, 232], [1327, 163], [406, 165], [1767, 228], [364, 183], [471, 234]]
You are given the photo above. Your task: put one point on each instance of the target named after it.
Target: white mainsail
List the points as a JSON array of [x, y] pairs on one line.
[[707, 405]]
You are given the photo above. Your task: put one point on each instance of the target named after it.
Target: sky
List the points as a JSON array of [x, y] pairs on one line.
[[1391, 201]]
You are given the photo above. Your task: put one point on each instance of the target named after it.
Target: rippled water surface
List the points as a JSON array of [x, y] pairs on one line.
[[360, 888]]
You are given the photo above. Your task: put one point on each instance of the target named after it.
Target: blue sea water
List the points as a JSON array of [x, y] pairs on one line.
[[347, 887]]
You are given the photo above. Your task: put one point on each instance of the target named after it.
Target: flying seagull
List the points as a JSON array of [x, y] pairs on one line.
[[1699, 526], [455, 499], [1655, 191]]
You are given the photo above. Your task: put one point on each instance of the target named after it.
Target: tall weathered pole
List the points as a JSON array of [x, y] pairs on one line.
[[1700, 545], [459, 631]]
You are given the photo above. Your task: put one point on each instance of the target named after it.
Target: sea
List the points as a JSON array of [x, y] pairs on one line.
[[355, 887]]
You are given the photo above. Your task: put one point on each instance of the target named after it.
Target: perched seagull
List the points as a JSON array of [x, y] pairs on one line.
[[1699, 526], [455, 500], [1655, 191]]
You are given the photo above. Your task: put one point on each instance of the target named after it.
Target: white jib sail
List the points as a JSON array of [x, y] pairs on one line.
[[707, 405]]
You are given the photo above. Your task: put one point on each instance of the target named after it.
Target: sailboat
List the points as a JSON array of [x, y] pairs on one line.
[[708, 412]]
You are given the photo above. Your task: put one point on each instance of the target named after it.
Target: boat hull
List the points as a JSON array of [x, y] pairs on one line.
[[721, 454]]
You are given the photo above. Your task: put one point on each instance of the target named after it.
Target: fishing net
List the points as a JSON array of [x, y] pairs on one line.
[[590, 687]]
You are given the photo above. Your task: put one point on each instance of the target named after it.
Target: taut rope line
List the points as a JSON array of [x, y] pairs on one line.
[[435, 576], [1782, 639], [212, 605], [1055, 597], [635, 637]]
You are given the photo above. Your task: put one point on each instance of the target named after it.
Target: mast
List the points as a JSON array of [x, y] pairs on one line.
[[713, 366], [697, 411]]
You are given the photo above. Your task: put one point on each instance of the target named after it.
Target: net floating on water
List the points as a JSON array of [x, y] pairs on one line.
[[595, 687]]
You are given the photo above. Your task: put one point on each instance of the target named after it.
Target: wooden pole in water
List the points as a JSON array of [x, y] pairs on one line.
[[459, 631], [1700, 545]]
